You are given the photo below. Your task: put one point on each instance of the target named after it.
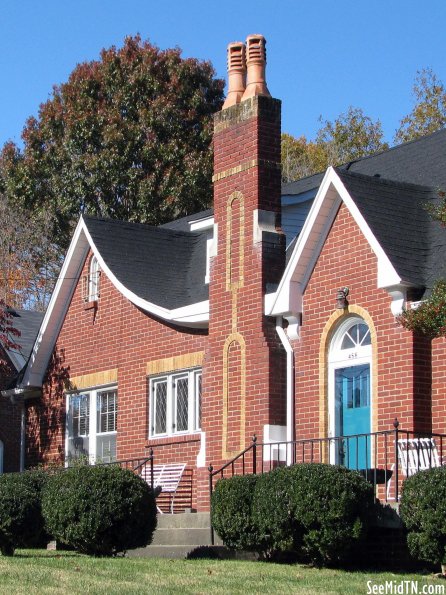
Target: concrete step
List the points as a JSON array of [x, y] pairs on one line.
[[182, 536], [180, 552], [174, 552], [186, 520], [177, 535]]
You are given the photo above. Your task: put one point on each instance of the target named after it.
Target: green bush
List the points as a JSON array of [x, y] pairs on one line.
[[423, 511], [273, 515], [315, 509], [231, 514], [21, 520], [100, 510]]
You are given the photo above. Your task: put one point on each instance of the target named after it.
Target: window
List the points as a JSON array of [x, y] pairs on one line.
[[175, 403], [92, 425], [90, 289]]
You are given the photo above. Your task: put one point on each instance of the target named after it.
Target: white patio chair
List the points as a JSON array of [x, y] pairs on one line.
[[415, 454]]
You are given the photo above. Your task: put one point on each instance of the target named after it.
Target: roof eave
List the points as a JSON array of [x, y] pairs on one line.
[[287, 300]]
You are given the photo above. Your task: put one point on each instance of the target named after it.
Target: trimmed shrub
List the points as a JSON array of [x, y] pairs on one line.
[[21, 520], [100, 510], [423, 511], [273, 514], [315, 509], [231, 514]]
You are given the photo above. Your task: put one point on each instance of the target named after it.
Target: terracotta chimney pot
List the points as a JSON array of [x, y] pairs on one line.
[[236, 73], [256, 62]]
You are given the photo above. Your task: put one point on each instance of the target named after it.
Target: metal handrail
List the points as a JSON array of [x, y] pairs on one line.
[[381, 456]]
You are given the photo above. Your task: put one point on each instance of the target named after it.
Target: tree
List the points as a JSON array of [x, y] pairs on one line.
[[8, 336], [29, 259], [128, 137], [301, 158], [350, 136], [429, 111]]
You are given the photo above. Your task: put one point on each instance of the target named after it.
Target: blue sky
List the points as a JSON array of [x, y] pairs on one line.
[[323, 55]]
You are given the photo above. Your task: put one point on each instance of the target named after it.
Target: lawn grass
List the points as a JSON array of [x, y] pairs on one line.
[[32, 572]]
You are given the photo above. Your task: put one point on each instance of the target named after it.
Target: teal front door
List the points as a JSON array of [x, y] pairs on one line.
[[352, 391]]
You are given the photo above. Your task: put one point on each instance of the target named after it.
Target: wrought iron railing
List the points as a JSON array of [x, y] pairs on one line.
[[384, 458]]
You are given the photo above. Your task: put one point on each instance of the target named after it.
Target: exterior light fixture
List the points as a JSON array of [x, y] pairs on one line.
[[341, 298]]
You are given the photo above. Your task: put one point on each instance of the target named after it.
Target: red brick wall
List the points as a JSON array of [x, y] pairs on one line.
[[252, 142], [116, 335], [403, 376], [439, 386]]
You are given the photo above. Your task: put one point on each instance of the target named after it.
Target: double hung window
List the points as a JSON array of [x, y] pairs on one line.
[[175, 403], [91, 427]]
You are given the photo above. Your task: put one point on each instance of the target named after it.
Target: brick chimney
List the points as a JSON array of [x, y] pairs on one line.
[[243, 384]]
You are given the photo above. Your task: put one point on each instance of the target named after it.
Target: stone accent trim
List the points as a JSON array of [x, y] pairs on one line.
[[94, 379], [177, 362], [253, 107], [237, 338], [244, 167], [231, 283]]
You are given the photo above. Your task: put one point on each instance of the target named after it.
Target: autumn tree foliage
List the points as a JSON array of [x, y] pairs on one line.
[[128, 136], [8, 335], [350, 136], [29, 257], [429, 112]]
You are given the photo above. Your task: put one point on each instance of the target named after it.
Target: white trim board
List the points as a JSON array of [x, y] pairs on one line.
[[287, 300]]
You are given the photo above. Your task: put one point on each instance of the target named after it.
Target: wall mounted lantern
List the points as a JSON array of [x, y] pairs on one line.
[[341, 298]]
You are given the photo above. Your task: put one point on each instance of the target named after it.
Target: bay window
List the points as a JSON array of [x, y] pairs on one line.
[[175, 403], [91, 427]]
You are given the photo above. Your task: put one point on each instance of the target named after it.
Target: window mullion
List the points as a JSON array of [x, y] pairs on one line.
[[170, 407], [93, 425], [191, 404]]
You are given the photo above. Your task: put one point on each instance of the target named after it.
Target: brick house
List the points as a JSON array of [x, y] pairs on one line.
[[12, 410], [191, 337]]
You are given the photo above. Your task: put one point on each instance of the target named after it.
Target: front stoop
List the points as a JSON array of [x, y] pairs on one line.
[[177, 535]]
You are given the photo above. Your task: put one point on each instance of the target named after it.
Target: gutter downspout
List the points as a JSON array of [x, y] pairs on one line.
[[289, 387], [22, 437]]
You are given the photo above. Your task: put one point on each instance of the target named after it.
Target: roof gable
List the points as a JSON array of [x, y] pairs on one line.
[[288, 298], [159, 270]]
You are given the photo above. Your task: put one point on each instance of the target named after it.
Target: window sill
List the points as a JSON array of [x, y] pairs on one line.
[[92, 305], [174, 439]]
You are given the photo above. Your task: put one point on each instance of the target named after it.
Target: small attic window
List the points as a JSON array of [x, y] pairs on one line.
[[207, 225], [91, 282]]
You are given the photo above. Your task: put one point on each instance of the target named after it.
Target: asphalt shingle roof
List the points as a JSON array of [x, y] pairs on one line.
[[27, 322], [183, 224], [397, 215], [163, 266], [421, 161]]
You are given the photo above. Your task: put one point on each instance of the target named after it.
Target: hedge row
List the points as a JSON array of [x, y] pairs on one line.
[[423, 511], [313, 509], [95, 510]]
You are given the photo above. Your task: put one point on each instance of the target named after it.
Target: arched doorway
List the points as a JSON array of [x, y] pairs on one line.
[[349, 383]]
